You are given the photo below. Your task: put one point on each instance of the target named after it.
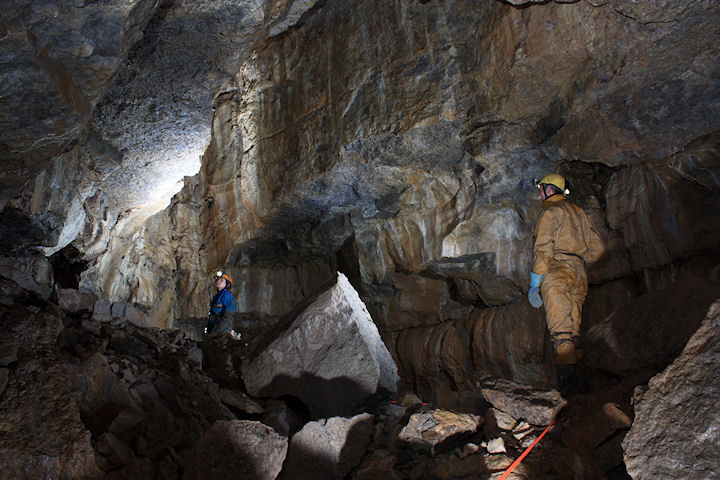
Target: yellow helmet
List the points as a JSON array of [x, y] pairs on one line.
[[554, 179]]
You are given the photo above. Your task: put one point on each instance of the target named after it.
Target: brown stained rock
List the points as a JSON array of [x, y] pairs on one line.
[[328, 448], [538, 407], [238, 450], [676, 428], [472, 466], [380, 465], [508, 341], [115, 452], [141, 468], [670, 204], [428, 430]]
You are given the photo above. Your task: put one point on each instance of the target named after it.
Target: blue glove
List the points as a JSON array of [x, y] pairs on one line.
[[534, 292]]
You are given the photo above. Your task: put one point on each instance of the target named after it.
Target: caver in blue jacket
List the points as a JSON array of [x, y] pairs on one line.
[[222, 306]]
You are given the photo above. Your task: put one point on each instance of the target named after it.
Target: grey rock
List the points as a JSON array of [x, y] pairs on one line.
[[74, 301], [117, 453], [102, 311], [4, 375], [135, 316], [59, 59], [328, 448], [676, 429], [428, 430], [538, 407], [339, 361], [237, 399], [118, 310], [503, 420], [8, 352], [237, 450]]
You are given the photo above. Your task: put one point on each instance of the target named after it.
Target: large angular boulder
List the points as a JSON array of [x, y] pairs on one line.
[[237, 450], [328, 448], [676, 431], [331, 358]]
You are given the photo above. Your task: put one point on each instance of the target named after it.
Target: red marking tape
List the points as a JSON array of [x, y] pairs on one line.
[[527, 450]]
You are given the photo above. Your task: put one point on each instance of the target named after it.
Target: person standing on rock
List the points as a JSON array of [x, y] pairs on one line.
[[565, 243], [222, 305]]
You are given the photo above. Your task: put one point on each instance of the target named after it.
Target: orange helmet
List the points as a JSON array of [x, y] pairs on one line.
[[227, 278]]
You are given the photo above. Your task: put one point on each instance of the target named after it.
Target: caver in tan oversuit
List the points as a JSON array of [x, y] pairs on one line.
[[565, 243]]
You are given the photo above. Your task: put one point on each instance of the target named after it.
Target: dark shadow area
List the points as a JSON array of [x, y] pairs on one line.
[[19, 232], [325, 398], [67, 266]]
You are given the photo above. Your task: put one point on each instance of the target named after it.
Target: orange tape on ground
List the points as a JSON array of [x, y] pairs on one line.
[[527, 450]]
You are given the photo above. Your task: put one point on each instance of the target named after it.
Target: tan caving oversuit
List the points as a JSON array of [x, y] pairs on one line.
[[564, 243]]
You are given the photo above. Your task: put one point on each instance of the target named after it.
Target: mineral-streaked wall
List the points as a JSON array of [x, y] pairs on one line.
[[397, 141]]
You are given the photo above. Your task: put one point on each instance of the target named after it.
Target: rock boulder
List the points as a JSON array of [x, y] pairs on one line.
[[676, 431], [331, 358], [237, 450], [328, 449]]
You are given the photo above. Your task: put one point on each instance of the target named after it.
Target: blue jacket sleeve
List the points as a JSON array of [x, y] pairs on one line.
[[228, 302]]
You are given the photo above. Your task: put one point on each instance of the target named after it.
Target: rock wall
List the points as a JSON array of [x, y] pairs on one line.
[[675, 432], [395, 141]]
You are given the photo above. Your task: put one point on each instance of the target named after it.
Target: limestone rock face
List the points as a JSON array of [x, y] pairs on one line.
[[328, 448], [506, 342], [677, 420], [238, 449], [331, 357], [58, 59]]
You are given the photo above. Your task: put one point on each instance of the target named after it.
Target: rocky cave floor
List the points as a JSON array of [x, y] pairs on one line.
[[76, 371]]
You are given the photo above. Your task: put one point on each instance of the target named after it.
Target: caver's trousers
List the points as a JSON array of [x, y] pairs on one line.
[[563, 292]]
